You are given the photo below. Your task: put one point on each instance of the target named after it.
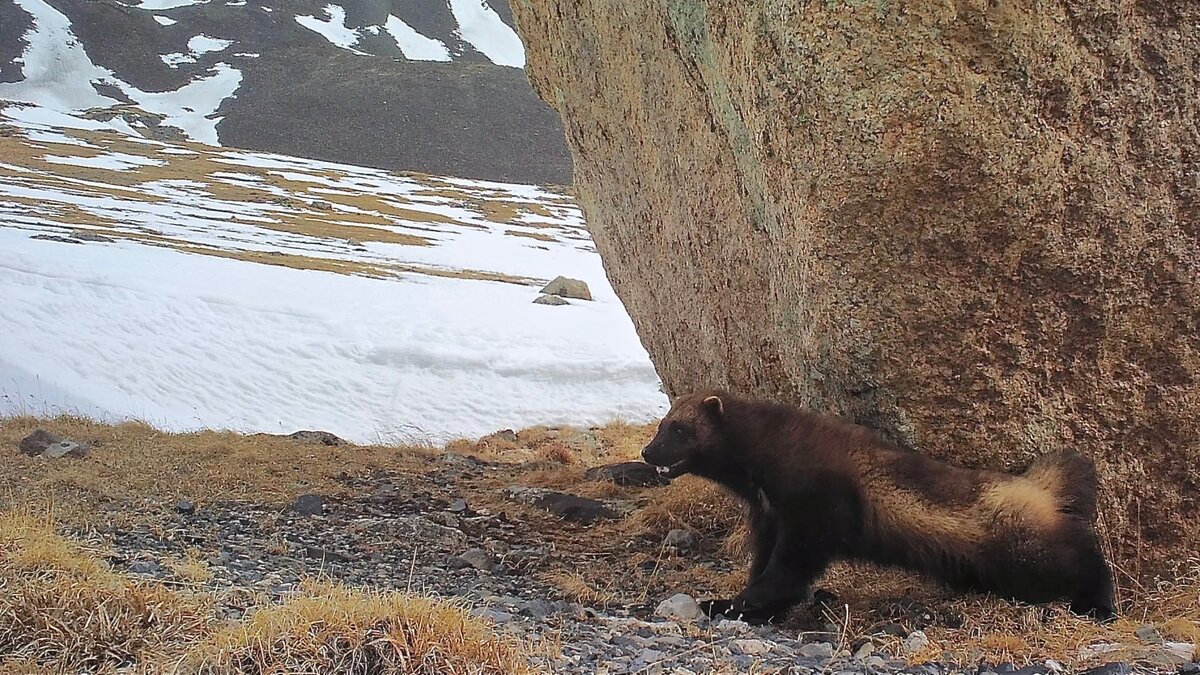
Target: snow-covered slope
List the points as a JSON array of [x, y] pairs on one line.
[[194, 286], [430, 85]]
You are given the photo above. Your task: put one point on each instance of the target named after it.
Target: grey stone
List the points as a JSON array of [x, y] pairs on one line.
[[679, 606], [88, 235], [682, 540], [45, 444], [874, 662], [307, 437], [476, 558], [866, 649], [568, 288], [324, 555], [493, 615], [915, 642], [148, 567], [817, 650], [648, 655], [552, 300], [506, 435], [1148, 633], [186, 507], [627, 474], [309, 505], [574, 508], [751, 647], [457, 506]]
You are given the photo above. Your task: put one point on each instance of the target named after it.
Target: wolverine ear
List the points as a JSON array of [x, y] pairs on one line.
[[715, 406]]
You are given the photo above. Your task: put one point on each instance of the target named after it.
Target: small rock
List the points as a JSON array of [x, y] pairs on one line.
[[507, 435], [1110, 669], [574, 508], [627, 474], [751, 647], [568, 288], [443, 518], [457, 506], [865, 650], [146, 567], [915, 642], [185, 507], [552, 300], [874, 662], [817, 650], [493, 615], [474, 557], [1088, 652], [324, 555], [87, 235], [1148, 633], [893, 629], [679, 606], [1188, 669], [316, 438], [309, 505], [45, 444], [681, 540], [1054, 666], [648, 655], [1177, 653]]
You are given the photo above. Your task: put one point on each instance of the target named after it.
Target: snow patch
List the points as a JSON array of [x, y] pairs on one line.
[[416, 47], [115, 161], [481, 27], [203, 44], [165, 20], [167, 4], [333, 29]]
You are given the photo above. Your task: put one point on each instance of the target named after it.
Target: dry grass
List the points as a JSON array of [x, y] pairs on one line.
[[607, 563], [63, 609], [332, 629], [577, 588]]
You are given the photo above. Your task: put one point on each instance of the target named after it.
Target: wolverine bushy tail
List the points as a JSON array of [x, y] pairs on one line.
[[1072, 477]]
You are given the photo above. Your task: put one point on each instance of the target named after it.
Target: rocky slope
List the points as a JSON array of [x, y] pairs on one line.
[[969, 225], [419, 85], [594, 570]]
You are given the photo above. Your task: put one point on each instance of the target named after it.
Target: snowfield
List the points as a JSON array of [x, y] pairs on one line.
[[196, 287]]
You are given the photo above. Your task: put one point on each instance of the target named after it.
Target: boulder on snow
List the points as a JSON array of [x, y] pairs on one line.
[[568, 288]]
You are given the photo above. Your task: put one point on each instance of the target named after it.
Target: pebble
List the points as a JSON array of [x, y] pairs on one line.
[[679, 606], [817, 650], [865, 650], [915, 642], [1148, 633], [185, 507], [309, 505], [751, 647], [457, 506], [476, 558], [681, 540]]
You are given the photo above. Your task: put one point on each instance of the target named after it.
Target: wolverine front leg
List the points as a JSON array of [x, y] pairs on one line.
[[793, 566], [764, 531]]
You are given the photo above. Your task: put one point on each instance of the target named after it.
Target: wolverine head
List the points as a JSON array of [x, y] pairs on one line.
[[689, 436]]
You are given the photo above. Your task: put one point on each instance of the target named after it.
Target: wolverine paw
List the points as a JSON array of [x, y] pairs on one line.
[[712, 608]]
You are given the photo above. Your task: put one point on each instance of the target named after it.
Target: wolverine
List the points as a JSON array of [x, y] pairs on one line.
[[819, 489]]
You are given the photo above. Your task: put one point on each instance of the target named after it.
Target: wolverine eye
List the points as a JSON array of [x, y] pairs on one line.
[[680, 431]]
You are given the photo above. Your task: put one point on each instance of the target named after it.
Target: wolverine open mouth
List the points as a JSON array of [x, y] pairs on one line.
[[672, 470]]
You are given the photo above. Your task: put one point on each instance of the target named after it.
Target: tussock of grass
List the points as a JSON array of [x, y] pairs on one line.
[[332, 629], [62, 608], [576, 588], [689, 503]]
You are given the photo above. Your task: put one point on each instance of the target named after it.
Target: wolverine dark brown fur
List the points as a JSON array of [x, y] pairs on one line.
[[819, 489]]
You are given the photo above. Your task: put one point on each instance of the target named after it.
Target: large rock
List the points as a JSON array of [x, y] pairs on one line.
[[971, 225]]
